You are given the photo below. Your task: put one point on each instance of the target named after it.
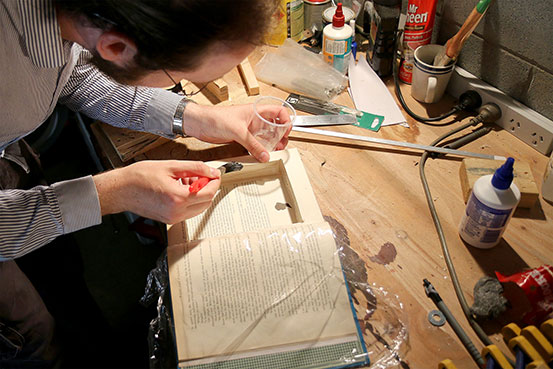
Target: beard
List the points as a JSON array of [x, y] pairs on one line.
[[126, 75]]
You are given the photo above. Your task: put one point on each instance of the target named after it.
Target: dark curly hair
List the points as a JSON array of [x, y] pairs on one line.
[[174, 34]]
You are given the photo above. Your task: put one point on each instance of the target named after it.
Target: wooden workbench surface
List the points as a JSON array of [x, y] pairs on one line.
[[375, 193]]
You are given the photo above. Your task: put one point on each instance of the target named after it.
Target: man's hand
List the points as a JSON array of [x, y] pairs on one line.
[[220, 124], [153, 190]]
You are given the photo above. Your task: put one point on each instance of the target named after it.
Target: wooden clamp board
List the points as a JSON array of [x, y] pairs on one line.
[[129, 143], [281, 181]]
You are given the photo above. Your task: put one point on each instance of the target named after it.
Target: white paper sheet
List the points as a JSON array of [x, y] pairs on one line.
[[370, 94]]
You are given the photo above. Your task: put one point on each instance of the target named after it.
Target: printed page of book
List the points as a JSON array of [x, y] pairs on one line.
[[260, 196], [242, 293]]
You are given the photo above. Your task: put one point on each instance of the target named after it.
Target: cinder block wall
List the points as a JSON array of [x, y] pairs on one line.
[[511, 49]]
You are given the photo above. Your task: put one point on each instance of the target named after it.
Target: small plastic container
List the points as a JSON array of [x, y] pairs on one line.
[[490, 207], [271, 128]]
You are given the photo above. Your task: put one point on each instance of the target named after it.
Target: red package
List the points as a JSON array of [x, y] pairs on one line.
[[418, 31], [537, 285]]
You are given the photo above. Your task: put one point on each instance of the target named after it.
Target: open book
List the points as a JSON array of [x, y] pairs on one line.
[[256, 280]]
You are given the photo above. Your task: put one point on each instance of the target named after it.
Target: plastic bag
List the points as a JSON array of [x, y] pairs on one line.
[[298, 70], [537, 286], [380, 313], [161, 340], [314, 281]]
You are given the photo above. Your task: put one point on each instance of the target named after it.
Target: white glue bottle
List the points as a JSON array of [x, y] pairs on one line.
[[490, 207], [337, 41]]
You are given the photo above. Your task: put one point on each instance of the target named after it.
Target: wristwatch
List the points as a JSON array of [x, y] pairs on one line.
[[177, 118]]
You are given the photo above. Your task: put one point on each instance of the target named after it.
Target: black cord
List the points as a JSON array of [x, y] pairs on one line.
[[425, 120], [445, 250], [454, 279], [410, 112]]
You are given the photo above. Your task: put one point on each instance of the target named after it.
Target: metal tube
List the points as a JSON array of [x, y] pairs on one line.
[[397, 143]]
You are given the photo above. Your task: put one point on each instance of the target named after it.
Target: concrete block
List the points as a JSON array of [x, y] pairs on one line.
[[509, 73], [520, 27], [539, 96]]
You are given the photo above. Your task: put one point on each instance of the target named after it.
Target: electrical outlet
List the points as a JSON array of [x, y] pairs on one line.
[[529, 126]]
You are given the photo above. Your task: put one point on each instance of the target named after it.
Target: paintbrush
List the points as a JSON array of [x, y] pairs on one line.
[[453, 46], [201, 182]]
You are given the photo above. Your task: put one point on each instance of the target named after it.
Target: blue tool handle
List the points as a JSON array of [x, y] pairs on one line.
[[520, 359], [490, 362]]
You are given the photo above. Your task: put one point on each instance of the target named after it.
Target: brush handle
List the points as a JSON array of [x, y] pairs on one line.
[[455, 44]]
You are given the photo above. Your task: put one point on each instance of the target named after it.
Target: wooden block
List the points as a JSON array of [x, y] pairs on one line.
[[472, 169], [219, 88], [248, 77]]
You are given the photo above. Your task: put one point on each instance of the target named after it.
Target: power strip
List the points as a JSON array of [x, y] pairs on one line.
[[529, 126]]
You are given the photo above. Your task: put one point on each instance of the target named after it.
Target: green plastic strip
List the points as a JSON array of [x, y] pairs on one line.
[[369, 121], [319, 357]]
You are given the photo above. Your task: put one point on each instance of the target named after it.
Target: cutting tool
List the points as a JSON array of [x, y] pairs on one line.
[[201, 182]]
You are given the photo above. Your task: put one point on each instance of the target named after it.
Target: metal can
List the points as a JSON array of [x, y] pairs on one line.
[[287, 22], [418, 32], [328, 13], [313, 13]]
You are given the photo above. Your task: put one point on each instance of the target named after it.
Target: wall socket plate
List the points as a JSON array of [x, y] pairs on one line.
[[526, 124]]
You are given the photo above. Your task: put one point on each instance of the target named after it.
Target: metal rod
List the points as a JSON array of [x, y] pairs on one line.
[[383, 141], [434, 296]]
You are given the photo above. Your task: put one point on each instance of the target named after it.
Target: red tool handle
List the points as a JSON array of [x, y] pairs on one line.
[[198, 185]]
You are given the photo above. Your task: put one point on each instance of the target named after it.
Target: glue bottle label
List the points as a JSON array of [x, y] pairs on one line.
[[337, 53], [483, 225]]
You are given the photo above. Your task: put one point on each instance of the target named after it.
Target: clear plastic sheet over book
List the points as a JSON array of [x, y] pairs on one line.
[[380, 317]]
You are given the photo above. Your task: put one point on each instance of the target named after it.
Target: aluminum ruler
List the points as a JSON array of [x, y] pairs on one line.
[[324, 120], [409, 145]]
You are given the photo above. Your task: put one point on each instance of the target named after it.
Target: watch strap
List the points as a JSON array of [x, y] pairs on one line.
[[178, 128]]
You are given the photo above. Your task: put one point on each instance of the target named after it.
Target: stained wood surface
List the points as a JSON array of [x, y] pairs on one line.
[[373, 196]]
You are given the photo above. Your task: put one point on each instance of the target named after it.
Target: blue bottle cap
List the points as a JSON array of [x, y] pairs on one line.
[[503, 176]]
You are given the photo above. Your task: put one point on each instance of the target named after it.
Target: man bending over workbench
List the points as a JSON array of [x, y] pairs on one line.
[[86, 54]]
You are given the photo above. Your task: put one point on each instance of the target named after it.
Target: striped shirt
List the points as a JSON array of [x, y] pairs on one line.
[[37, 70]]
